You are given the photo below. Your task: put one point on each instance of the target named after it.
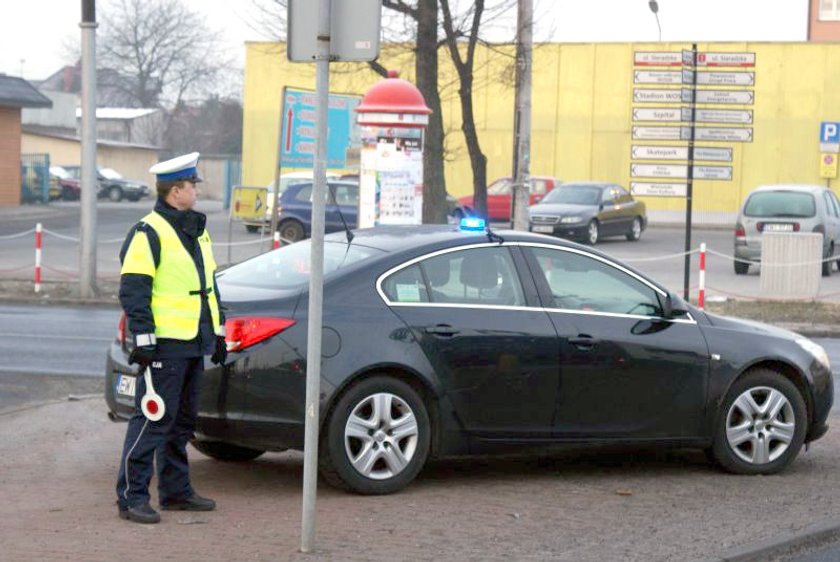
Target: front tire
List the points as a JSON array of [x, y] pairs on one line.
[[226, 451], [592, 232], [826, 265], [761, 425], [115, 194], [635, 230], [377, 437], [251, 228], [291, 231]]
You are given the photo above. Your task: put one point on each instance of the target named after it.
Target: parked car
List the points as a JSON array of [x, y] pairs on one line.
[[287, 179], [499, 195], [439, 342], [294, 220], [589, 211], [112, 185], [786, 208], [62, 185]]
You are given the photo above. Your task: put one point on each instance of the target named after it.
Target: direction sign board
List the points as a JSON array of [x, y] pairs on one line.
[[712, 153], [653, 95], [650, 189], [726, 78], [726, 59], [657, 58], [674, 114], [654, 152], [723, 173], [658, 170], [355, 28], [657, 77], [661, 133], [731, 134], [723, 116], [725, 96]]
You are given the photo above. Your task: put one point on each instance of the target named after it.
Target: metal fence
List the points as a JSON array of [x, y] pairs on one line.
[[34, 178]]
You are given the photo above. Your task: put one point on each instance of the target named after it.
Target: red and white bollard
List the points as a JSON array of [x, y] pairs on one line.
[[38, 258], [276, 240], [701, 296]]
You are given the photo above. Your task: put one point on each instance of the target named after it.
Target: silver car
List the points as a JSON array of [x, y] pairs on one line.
[[786, 208]]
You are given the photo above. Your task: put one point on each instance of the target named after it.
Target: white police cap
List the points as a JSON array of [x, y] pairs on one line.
[[178, 168]]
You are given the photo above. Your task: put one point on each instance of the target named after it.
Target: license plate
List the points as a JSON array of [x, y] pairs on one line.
[[542, 228], [778, 227], [126, 385]]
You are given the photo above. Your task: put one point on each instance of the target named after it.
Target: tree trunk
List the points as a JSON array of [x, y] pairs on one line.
[[478, 160]]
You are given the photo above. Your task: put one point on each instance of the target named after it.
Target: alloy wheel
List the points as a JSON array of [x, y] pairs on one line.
[[760, 425], [592, 233]]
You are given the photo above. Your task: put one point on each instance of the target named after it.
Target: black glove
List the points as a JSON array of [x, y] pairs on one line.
[[143, 355], [220, 354]]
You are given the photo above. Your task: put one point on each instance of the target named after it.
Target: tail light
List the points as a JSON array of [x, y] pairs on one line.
[[740, 234], [245, 331], [121, 330]]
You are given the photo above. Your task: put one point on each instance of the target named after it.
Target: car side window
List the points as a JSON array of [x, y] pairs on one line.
[[304, 195], [347, 195], [829, 204], [538, 187], [835, 202], [485, 276], [608, 196], [580, 282], [406, 285]]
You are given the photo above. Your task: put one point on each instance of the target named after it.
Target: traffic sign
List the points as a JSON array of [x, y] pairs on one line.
[[657, 58], [726, 78], [829, 137], [723, 173], [828, 166], [674, 114], [654, 95], [658, 170], [725, 96], [723, 116], [355, 28], [726, 59], [712, 153], [248, 202], [650, 189], [657, 77], [653, 152], [662, 133], [731, 134]]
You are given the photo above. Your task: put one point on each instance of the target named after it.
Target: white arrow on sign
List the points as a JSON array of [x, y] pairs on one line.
[[657, 114], [731, 134], [651, 152], [658, 189], [715, 154], [651, 95], [661, 133], [724, 116], [725, 96], [658, 171], [723, 173], [726, 78], [657, 77]]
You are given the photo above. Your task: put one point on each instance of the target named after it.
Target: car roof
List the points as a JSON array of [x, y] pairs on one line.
[[305, 175], [587, 183], [806, 188]]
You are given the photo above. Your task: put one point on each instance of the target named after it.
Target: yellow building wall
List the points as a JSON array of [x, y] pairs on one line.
[[581, 113]]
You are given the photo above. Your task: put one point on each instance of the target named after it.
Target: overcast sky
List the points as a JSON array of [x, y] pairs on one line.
[[33, 32]]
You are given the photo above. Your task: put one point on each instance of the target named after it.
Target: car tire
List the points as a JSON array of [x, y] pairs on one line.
[[115, 194], [252, 228], [592, 232], [741, 267], [226, 451], [291, 231], [761, 425], [360, 451], [67, 194], [826, 265], [635, 230]]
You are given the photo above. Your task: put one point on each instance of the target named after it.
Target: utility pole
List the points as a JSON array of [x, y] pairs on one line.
[[522, 115], [87, 226]]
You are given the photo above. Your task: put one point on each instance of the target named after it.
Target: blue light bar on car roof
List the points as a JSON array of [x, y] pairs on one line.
[[472, 224]]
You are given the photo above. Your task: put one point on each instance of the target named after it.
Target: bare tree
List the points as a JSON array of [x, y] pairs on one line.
[[159, 52]]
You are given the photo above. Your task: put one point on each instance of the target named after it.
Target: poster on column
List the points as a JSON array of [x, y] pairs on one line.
[[399, 176]]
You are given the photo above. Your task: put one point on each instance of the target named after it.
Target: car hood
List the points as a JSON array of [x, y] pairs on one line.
[[752, 326], [560, 209]]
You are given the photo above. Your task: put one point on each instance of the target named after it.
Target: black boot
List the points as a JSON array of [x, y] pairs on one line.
[[192, 503], [140, 514]]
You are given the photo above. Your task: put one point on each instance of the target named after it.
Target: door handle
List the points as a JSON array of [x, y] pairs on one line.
[[441, 330], [583, 342]]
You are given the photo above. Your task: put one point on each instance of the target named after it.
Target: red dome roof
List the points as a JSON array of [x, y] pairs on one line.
[[393, 95]]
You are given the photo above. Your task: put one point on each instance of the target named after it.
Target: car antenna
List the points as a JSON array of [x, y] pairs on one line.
[[340, 214], [493, 237]]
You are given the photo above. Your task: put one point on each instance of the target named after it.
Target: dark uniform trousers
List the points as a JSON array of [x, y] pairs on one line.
[[176, 381]]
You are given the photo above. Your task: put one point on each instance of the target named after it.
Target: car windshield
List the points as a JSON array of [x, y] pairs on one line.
[[59, 172], [499, 187], [110, 173], [780, 204], [288, 267], [574, 195]]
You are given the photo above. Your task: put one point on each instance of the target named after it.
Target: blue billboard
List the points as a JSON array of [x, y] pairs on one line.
[[297, 133]]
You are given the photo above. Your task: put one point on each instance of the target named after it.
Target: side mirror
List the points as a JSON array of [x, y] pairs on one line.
[[667, 306], [673, 306]]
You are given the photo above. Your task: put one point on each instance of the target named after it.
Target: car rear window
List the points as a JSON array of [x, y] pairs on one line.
[[288, 267], [780, 204]]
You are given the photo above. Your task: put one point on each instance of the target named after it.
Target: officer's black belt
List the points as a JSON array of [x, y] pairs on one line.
[[203, 292]]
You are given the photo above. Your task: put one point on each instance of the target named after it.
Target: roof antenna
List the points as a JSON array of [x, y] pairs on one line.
[[492, 236], [340, 214]]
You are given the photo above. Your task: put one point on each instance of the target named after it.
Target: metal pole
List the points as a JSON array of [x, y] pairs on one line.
[[522, 151], [316, 281], [87, 226], [275, 208], [690, 175]]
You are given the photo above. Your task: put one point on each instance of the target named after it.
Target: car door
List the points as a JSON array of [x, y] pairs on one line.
[[832, 218], [609, 215], [625, 371], [626, 207], [499, 195], [342, 200], [494, 353]]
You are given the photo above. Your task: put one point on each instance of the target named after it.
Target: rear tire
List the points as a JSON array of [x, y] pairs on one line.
[[226, 451], [826, 265], [291, 231], [115, 194], [251, 228], [741, 267]]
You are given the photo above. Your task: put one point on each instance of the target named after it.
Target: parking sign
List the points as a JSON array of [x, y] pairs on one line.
[[830, 137]]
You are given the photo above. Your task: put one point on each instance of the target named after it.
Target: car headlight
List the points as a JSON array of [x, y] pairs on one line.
[[569, 220], [816, 350]]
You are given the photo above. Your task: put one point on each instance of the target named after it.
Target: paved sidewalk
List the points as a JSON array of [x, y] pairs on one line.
[[58, 465]]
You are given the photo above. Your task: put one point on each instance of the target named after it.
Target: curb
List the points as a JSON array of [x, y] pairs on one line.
[[763, 550]]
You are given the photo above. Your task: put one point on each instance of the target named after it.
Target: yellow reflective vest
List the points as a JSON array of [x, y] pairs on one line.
[[176, 287]]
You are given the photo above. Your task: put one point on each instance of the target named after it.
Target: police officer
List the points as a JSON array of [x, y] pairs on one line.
[[170, 297]]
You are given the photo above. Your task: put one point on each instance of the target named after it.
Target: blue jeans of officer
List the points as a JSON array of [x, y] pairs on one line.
[[164, 441]]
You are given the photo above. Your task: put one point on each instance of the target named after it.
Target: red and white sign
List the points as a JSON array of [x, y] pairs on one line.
[[726, 59]]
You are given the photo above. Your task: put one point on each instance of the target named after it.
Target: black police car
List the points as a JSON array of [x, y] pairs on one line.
[[441, 342]]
